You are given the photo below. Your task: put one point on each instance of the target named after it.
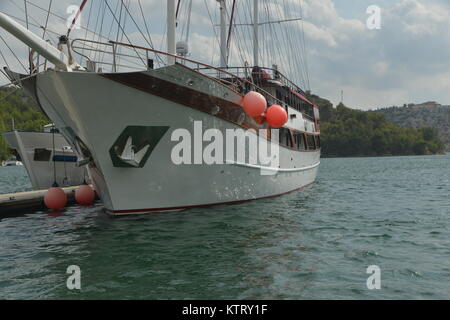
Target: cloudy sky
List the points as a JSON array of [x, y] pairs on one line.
[[407, 60]]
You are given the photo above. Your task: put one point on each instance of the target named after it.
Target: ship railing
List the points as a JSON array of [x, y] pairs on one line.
[[120, 56], [106, 56], [274, 74]]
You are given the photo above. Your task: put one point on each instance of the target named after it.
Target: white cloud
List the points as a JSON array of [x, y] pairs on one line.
[[394, 65], [317, 34], [381, 68]]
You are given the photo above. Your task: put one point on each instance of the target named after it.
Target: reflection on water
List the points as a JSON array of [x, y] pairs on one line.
[[316, 243]]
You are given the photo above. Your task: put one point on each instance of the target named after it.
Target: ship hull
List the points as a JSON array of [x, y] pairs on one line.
[[41, 171], [102, 111]]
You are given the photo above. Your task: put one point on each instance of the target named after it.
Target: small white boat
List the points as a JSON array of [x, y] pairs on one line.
[[12, 163], [42, 162]]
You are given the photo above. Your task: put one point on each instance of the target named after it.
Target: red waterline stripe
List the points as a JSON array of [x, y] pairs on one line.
[[206, 205]]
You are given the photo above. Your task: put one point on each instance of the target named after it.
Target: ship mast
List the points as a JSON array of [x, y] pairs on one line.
[[255, 32], [223, 35], [171, 17]]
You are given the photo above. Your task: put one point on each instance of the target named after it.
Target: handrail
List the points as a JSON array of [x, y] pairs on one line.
[[280, 76]]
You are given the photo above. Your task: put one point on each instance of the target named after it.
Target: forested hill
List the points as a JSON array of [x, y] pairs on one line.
[[429, 114], [16, 104], [348, 132]]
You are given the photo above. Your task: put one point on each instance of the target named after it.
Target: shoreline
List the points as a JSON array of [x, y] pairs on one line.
[[382, 156]]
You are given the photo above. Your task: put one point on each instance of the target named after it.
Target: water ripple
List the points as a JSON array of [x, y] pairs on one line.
[[313, 244]]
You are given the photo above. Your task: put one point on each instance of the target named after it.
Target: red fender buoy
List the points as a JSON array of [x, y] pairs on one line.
[[254, 104], [55, 198], [276, 116], [84, 195]]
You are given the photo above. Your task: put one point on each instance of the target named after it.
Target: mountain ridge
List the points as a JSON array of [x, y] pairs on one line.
[[429, 114]]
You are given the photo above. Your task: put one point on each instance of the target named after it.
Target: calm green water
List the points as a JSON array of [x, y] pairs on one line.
[[313, 244]]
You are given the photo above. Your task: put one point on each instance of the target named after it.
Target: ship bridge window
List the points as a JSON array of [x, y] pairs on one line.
[[42, 154]]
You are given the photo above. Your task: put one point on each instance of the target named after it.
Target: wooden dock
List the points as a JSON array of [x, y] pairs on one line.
[[30, 200]]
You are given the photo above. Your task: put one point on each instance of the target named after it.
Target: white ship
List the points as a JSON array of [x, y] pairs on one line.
[[123, 123], [47, 157]]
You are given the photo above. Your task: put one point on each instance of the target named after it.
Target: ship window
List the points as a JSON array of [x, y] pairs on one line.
[[297, 104], [285, 137], [318, 141], [42, 154], [289, 139], [310, 141], [301, 141], [279, 95]]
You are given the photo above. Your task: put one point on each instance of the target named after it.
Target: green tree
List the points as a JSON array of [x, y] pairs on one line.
[[349, 132], [15, 104]]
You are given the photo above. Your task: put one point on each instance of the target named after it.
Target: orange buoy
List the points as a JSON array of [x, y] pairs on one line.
[[254, 104], [84, 195], [276, 116], [55, 198]]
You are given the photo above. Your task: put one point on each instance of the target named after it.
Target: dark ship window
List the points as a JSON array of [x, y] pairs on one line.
[[285, 137], [310, 141], [318, 141], [300, 140], [42, 154]]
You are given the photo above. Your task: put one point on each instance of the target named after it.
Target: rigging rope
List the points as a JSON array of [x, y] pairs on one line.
[[88, 23], [304, 47], [106, 2], [178, 9], [14, 54], [48, 16], [212, 23], [145, 23], [189, 21], [6, 62], [149, 42], [231, 25], [53, 14]]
